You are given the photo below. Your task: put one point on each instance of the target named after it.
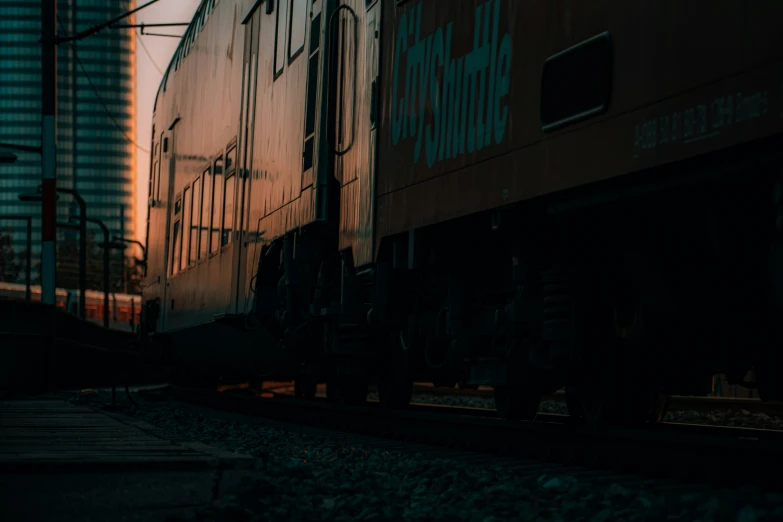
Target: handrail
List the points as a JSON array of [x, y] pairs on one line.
[[329, 123]]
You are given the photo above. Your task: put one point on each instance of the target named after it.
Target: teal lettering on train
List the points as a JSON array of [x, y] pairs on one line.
[[466, 93]]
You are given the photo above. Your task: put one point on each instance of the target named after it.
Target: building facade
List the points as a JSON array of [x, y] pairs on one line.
[[96, 118]]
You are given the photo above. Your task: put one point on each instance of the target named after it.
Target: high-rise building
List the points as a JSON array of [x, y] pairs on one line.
[[95, 109]]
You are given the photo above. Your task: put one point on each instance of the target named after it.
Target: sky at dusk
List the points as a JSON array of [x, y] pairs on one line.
[[152, 57]]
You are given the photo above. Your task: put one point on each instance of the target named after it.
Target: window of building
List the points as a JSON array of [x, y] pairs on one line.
[[186, 217], [282, 18], [206, 200], [194, 223], [298, 20], [217, 200]]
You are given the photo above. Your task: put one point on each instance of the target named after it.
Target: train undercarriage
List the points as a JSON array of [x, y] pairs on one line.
[[621, 297]]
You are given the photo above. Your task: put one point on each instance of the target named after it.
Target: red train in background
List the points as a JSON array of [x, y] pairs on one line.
[[526, 195], [124, 309]]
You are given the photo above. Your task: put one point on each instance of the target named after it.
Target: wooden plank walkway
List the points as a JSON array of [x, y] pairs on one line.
[[65, 462], [55, 435]]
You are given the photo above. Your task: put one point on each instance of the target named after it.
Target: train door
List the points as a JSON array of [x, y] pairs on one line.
[[166, 188], [372, 93], [245, 237], [155, 240], [354, 28]]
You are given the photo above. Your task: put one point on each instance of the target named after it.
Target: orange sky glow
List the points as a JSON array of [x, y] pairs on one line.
[[152, 57]]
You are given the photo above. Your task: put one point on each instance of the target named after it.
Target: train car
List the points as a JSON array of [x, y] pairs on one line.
[[526, 195], [124, 309]]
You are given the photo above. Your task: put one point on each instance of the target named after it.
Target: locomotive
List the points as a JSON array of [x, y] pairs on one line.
[[526, 195]]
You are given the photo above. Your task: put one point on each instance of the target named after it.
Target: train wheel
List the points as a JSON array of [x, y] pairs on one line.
[[332, 391], [395, 384], [629, 403], [520, 397], [305, 387], [256, 384], [770, 383], [347, 390], [353, 390], [516, 402], [190, 379], [620, 321]]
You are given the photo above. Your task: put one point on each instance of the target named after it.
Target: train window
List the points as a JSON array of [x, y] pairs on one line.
[[176, 245], [217, 200], [194, 222], [151, 187], [152, 180], [187, 202], [200, 22], [577, 83], [206, 193], [315, 34], [231, 160], [164, 142], [282, 18], [228, 210], [296, 40]]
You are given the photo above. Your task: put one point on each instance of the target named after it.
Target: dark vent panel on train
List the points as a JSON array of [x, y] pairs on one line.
[[577, 83]]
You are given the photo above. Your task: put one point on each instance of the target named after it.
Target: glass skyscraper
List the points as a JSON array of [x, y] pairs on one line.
[[96, 116]]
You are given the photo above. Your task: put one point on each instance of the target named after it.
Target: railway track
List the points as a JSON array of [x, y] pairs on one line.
[[706, 455], [676, 403]]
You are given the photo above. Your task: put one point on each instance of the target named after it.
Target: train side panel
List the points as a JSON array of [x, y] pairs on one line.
[[461, 127], [357, 26], [192, 231]]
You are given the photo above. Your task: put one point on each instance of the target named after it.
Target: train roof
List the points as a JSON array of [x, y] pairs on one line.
[[186, 42]]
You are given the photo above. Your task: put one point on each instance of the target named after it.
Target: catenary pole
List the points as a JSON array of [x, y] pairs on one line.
[[49, 177], [49, 150]]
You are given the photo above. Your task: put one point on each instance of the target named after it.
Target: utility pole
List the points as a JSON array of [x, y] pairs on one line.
[[49, 149], [49, 178]]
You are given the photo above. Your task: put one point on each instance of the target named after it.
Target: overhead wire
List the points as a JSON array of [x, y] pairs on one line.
[[144, 47], [147, 52], [97, 94]]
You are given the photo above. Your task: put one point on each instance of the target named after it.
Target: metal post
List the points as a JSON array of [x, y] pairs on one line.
[[82, 258], [122, 252], [29, 264], [82, 249], [29, 261], [106, 268], [141, 245]]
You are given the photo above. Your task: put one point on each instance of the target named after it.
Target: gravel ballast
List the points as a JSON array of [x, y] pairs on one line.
[[318, 475]]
